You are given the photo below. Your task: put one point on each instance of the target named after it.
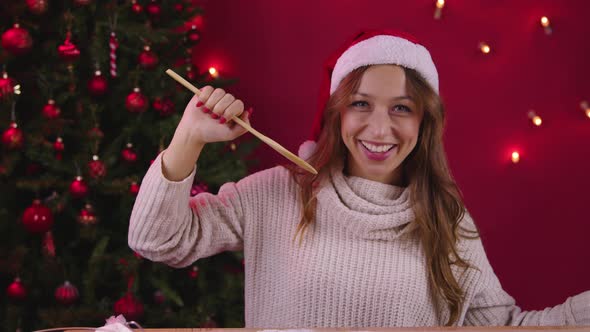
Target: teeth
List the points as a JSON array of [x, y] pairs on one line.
[[377, 148]]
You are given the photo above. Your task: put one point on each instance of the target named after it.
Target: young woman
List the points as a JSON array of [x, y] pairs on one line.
[[379, 238]]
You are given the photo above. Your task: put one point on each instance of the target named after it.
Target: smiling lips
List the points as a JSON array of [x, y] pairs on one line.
[[377, 152]]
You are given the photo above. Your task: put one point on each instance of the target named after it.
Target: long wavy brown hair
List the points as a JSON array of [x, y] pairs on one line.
[[437, 202]]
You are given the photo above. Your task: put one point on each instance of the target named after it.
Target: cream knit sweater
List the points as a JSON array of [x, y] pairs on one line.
[[355, 271]]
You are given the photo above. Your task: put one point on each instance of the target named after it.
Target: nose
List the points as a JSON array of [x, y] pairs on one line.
[[380, 123]]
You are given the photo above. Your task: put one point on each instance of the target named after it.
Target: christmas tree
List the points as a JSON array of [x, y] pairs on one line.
[[85, 106]]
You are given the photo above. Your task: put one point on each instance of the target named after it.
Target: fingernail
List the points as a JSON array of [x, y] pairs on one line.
[[250, 110], [206, 110], [214, 115], [222, 120], [200, 103]]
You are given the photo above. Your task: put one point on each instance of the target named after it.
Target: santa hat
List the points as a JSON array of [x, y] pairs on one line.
[[373, 48]]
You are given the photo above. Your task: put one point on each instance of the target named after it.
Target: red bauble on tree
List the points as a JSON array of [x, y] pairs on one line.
[[17, 40], [96, 168], [37, 7], [134, 188], [164, 106], [68, 51], [13, 137], [153, 9], [95, 133], [136, 7], [179, 7], [66, 293], [130, 307], [59, 147], [136, 102], [159, 297], [16, 290], [191, 73], [87, 217], [97, 85], [129, 154], [193, 36], [193, 273], [78, 188], [51, 110], [147, 58], [37, 218], [7, 85]]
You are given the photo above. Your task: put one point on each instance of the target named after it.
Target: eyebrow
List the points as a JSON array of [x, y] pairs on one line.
[[393, 98]]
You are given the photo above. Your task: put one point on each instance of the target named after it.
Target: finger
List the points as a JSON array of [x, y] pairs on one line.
[[238, 130], [234, 109], [221, 107], [206, 92], [214, 99]]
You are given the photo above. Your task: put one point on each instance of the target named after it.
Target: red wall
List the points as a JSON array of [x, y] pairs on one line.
[[534, 216]]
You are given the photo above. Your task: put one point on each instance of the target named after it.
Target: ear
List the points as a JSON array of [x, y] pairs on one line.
[[306, 149]]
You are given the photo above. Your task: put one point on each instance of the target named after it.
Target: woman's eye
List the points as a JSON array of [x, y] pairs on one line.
[[402, 108], [359, 104]]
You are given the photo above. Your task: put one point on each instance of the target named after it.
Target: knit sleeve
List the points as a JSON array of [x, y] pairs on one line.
[[167, 225], [490, 305]]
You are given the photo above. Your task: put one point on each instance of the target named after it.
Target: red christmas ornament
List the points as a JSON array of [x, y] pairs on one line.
[[153, 9], [96, 168], [136, 102], [179, 7], [135, 7], [51, 110], [128, 154], [59, 148], [147, 58], [97, 85], [48, 244], [17, 40], [79, 188], [13, 137], [193, 36], [68, 51], [164, 106], [159, 297], [37, 218], [37, 7], [130, 307], [198, 188], [191, 73], [7, 85], [134, 188], [16, 290], [66, 293], [87, 217], [193, 273], [95, 133]]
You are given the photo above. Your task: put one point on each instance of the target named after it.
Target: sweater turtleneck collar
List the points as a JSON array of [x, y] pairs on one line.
[[369, 209]]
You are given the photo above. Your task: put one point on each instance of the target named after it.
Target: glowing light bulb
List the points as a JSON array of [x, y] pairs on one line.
[[213, 72], [438, 10], [484, 48], [515, 157], [546, 25], [585, 107], [535, 118]]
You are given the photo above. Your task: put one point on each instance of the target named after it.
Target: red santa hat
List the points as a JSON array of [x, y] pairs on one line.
[[373, 47]]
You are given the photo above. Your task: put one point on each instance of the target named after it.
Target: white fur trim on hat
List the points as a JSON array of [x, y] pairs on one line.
[[306, 149], [385, 49]]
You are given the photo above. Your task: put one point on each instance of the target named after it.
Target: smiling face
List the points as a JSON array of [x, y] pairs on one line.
[[380, 125]]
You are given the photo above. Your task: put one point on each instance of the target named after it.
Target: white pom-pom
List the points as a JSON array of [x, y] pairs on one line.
[[306, 149]]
